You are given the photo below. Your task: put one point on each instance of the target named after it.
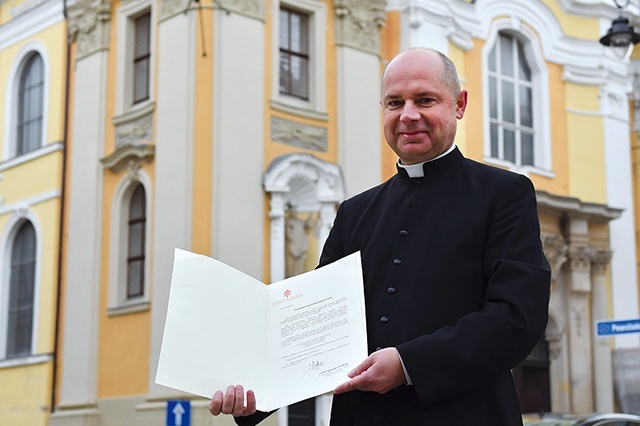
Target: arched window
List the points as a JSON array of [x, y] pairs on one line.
[[21, 292], [511, 102], [30, 106], [136, 243]]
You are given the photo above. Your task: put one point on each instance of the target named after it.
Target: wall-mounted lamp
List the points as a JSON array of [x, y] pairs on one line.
[[621, 36]]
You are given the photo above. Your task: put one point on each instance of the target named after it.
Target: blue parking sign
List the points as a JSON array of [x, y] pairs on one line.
[[178, 413]]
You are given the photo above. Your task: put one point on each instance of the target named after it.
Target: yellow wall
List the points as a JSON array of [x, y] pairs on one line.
[[587, 174], [559, 183], [27, 400], [124, 348], [27, 397], [470, 129], [48, 213], [203, 134], [573, 25], [31, 178]]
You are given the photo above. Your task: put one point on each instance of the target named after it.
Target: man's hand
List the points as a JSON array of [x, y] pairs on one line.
[[380, 372], [232, 402]]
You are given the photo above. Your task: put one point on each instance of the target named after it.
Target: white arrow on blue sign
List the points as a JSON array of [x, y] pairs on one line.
[[178, 413], [610, 328]]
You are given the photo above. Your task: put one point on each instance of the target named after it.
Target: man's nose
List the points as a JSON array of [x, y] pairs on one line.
[[409, 112]]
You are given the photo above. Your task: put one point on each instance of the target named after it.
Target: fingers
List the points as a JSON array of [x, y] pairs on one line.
[[232, 402], [380, 372], [230, 399], [362, 367], [251, 403], [237, 408], [215, 406]]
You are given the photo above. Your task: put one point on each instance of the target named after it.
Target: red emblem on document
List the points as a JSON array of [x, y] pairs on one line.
[[287, 293]]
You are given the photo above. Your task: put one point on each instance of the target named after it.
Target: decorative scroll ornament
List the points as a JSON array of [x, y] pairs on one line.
[[358, 23], [138, 131], [88, 26], [298, 134]]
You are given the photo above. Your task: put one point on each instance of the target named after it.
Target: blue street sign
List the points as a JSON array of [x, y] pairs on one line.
[[610, 328], [178, 413]]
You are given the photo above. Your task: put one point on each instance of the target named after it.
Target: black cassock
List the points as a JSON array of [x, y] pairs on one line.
[[455, 278]]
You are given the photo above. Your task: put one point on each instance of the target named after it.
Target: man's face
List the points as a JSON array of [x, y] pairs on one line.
[[420, 111]]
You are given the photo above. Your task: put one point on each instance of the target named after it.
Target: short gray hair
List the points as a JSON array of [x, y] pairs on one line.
[[449, 73]]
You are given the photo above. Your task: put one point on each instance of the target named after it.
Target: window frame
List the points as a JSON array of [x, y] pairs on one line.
[[301, 54], [141, 57], [118, 302], [10, 149], [137, 258], [315, 106], [540, 98], [7, 239], [24, 93], [125, 69], [15, 309]]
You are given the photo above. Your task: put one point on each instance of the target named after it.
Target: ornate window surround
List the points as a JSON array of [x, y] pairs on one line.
[[315, 107], [540, 100], [118, 304], [305, 183], [124, 68]]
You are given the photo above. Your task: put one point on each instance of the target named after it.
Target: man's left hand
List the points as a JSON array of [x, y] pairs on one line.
[[380, 372]]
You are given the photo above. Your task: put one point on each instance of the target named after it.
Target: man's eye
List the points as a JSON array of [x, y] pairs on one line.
[[424, 101], [394, 104]]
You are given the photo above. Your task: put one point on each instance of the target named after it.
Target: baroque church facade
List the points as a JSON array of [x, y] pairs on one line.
[[234, 128]]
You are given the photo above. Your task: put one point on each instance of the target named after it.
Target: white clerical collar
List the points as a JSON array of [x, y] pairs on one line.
[[416, 170]]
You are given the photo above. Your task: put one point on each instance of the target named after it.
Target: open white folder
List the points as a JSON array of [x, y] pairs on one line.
[[288, 341]]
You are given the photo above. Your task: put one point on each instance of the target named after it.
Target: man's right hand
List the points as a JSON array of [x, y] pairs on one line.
[[232, 402]]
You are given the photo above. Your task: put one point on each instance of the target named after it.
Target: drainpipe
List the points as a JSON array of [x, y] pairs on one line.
[[56, 341]]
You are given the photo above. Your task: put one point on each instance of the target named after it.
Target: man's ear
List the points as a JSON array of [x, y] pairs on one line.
[[461, 103]]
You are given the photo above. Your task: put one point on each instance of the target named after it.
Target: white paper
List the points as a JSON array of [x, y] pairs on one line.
[[288, 341]]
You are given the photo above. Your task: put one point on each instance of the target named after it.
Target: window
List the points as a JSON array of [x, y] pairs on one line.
[[511, 109], [30, 106], [298, 44], [136, 243], [21, 292], [141, 57], [294, 53]]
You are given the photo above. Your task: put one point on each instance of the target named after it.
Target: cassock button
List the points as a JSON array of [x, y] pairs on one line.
[[404, 232], [413, 205], [377, 418], [397, 261], [417, 182], [384, 319], [391, 290], [379, 348]]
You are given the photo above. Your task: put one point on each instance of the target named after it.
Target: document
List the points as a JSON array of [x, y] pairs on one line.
[[287, 341]]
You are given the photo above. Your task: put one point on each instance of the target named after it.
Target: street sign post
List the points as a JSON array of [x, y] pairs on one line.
[[178, 413], [612, 328]]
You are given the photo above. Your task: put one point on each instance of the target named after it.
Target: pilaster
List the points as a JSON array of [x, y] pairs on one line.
[[357, 30], [579, 289], [88, 26], [602, 361]]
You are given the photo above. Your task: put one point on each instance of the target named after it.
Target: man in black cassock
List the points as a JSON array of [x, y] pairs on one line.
[[456, 282]]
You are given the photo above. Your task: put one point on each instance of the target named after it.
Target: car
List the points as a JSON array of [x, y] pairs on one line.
[[557, 419]]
